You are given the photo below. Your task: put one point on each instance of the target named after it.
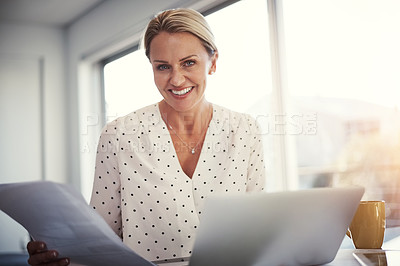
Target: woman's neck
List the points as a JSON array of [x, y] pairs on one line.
[[191, 122]]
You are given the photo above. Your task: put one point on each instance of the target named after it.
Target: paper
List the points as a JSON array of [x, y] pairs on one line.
[[59, 216]]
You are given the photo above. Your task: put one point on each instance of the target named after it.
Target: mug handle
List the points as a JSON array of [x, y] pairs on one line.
[[348, 233]]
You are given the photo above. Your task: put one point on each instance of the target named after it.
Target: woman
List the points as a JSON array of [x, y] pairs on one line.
[[156, 166]]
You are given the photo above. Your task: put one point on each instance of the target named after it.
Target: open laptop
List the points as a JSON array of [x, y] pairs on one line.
[[303, 227]]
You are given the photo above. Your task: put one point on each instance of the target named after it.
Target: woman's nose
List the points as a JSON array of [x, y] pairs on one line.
[[177, 78]]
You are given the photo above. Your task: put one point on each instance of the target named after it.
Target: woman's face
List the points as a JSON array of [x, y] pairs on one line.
[[180, 66]]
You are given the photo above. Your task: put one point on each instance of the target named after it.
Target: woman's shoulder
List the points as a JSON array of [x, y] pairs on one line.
[[141, 117], [143, 113], [236, 122], [233, 117]]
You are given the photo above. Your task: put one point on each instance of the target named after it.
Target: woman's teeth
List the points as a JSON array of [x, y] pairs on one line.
[[182, 92]]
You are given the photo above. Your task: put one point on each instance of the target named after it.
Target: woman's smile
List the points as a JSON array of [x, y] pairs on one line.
[[181, 65], [182, 92]]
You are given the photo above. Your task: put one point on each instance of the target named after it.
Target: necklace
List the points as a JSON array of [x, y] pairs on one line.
[[192, 149]]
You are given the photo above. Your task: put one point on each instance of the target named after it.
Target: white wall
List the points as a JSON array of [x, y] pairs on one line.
[[32, 91], [25, 41]]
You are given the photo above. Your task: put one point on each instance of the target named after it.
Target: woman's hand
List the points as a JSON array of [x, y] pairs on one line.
[[39, 255]]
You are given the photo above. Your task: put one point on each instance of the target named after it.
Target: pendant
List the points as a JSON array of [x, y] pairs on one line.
[[193, 151]]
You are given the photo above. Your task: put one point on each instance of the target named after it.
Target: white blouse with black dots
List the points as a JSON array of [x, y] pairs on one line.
[[142, 192]]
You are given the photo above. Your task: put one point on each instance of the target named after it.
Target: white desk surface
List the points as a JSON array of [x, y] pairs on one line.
[[344, 257]]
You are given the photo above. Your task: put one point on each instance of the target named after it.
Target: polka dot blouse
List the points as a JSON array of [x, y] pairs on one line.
[[146, 198]]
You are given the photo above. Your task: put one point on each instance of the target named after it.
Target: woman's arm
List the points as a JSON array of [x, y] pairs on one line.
[[106, 193], [256, 169]]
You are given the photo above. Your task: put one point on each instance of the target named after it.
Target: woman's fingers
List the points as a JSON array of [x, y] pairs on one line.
[[36, 247], [48, 258], [39, 255], [60, 262], [42, 258]]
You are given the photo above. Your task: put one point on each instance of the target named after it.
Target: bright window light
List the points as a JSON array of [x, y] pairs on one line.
[[343, 64], [243, 71]]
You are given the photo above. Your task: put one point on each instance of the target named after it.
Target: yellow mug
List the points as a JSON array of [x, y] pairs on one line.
[[367, 228]]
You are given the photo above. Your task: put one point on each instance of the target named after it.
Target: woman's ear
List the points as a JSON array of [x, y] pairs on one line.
[[213, 66]]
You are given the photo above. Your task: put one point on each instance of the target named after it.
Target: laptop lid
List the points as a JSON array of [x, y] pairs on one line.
[[304, 227]]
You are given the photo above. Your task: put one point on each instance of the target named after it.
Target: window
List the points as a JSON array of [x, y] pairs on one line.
[[243, 68], [343, 65], [128, 85], [242, 81]]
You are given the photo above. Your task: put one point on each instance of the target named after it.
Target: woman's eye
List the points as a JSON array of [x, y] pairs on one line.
[[162, 67], [189, 63]]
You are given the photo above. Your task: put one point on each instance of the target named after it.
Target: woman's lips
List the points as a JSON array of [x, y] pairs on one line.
[[182, 92]]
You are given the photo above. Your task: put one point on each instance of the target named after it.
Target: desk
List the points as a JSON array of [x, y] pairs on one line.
[[344, 257]]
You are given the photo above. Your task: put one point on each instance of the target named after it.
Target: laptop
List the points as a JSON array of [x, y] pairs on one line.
[[304, 227]]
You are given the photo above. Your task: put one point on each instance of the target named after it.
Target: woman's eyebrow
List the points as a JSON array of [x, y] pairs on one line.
[[187, 57], [180, 60], [160, 61]]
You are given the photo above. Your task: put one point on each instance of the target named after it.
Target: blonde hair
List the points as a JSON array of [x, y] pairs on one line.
[[180, 20]]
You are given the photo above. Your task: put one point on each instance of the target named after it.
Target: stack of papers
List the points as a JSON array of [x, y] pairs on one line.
[[59, 216]]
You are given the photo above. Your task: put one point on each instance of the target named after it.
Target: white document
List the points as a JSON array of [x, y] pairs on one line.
[[59, 216]]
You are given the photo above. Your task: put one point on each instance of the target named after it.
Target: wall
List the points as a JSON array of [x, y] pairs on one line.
[[18, 41], [32, 91]]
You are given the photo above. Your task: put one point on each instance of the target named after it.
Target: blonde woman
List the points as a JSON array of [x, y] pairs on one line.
[[156, 166]]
